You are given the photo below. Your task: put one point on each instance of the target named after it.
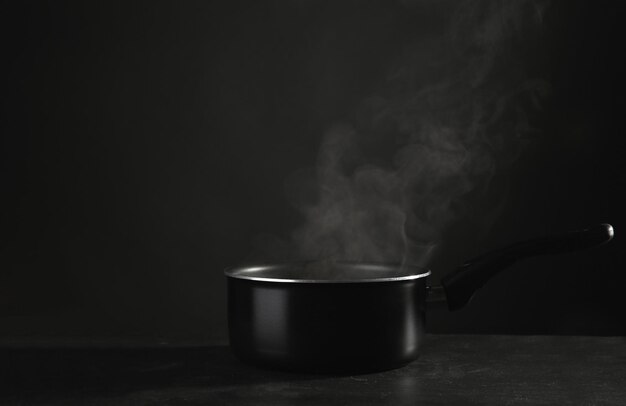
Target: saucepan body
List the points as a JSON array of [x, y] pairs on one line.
[[346, 318]]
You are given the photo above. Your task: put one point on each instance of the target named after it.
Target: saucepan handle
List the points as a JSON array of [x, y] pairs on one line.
[[460, 285]]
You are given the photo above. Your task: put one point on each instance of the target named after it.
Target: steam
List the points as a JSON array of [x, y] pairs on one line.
[[454, 108]]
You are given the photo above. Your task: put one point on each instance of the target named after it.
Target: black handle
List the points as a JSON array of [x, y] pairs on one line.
[[461, 284]]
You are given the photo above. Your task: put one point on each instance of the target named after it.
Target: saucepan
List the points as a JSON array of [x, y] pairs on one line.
[[353, 317]]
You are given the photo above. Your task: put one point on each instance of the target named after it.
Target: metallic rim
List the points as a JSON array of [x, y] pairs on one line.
[[235, 273]]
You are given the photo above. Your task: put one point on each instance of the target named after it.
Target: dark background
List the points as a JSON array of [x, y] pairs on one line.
[[145, 146]]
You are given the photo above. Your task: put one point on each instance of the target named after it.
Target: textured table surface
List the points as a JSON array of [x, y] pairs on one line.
[[453, 369]]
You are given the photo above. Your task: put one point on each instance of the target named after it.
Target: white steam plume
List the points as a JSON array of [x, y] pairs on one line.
[[388, 183]]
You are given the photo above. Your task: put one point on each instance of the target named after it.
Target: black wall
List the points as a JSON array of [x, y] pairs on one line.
[[145, 148]]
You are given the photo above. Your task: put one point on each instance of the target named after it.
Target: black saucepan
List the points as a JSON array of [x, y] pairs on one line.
[[344, 316]]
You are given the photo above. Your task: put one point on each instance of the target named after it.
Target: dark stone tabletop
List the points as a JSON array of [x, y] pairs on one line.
[[452, 370]]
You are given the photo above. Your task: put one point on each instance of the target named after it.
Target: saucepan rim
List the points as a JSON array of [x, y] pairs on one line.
[[340, 272]]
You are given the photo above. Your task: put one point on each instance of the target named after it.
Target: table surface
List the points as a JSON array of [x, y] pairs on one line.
[[453, 369]]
